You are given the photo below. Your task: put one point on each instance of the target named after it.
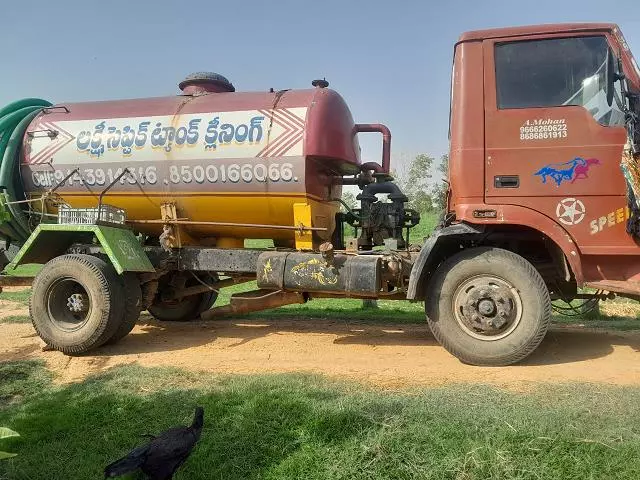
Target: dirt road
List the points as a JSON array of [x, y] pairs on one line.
[[385, 355]]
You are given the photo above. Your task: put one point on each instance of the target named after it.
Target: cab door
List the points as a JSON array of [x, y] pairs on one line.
[[553, 143]]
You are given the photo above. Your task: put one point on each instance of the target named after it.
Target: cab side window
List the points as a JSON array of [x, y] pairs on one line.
[[556, 72]]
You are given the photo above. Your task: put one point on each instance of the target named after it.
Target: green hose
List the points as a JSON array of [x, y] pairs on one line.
[[14, 121]]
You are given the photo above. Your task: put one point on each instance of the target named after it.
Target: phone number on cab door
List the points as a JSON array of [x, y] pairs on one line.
[[176, 174], [543, 132]]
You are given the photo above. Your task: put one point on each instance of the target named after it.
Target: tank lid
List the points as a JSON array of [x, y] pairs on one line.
[[320, 83], [205, 82]]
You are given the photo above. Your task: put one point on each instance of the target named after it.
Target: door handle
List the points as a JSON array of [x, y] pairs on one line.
[[506, 181]]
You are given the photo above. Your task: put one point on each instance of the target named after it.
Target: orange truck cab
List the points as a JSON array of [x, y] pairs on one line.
[[542, 163]]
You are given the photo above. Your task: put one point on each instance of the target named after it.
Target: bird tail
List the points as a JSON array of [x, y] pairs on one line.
[[131, 462]]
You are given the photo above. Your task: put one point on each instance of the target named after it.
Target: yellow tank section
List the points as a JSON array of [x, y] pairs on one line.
[[241, 208]]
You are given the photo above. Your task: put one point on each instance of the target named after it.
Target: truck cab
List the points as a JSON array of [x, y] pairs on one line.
[[540, 119], [543, 186]]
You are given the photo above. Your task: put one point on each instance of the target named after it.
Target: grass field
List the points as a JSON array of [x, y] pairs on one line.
[[290, 426], [295, 426]]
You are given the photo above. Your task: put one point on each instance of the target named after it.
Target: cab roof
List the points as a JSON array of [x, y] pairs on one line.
[[536, 29]]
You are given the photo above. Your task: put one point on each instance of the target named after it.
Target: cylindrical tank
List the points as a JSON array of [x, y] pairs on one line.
[[219, 155]]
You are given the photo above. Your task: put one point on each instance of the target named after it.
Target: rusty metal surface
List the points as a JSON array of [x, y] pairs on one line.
[[617, 286], [386, 145], [396, 295], [216, 286], [255, 301], [308, 272], [228, 224], [218, 259]]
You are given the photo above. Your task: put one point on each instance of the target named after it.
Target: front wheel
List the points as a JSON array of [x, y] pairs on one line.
[[488, 306]]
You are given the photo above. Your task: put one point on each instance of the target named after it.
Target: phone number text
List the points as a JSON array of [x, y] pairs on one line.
[[176, 174]]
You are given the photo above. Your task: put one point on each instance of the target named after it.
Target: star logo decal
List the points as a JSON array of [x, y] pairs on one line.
[[570, 211]]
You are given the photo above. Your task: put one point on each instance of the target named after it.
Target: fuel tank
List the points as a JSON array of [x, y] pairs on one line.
[[221, 156]]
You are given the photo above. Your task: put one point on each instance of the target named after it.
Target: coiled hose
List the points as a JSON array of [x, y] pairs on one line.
[[14, 120]]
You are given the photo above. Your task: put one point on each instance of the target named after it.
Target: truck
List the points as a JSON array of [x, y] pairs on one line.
[[145, 204]]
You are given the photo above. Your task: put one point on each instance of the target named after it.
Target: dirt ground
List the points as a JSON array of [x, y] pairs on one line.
[[388, 356]]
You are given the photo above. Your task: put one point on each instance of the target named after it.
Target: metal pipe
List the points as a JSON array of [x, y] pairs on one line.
[[227, 224], [48, 192], [255, 301], [195, 290], [386, 144], [124, 172]]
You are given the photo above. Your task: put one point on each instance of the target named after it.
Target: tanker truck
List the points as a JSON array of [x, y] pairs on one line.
[[145, 204]]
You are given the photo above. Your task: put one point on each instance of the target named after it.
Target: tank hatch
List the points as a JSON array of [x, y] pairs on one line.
[[200, 83]]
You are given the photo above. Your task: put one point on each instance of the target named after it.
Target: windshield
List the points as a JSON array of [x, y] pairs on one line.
[[593, 96], [556, 72]]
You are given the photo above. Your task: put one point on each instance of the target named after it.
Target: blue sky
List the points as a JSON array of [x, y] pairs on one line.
[[391, 60]]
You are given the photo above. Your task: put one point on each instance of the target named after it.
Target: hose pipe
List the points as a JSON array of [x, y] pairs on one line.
[[14, 121]]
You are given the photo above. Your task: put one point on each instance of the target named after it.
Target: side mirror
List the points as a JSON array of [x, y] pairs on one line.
[[612, 76]]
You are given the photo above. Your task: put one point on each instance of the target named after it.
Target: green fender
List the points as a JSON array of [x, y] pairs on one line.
[[52, 240]]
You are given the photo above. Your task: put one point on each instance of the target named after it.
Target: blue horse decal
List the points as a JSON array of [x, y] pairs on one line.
[[561, 172]]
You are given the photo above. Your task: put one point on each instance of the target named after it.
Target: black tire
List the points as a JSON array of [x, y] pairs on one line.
[[187, 309], [488, 306], [132, 306], [97, 293]]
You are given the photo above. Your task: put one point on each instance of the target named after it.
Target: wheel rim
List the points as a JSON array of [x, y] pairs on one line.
[[68, 304], [487, 307]]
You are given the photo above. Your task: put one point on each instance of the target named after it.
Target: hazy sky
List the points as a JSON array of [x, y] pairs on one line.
[[391, 60]]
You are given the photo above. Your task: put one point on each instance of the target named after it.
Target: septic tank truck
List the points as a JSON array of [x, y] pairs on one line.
[[145, 204]]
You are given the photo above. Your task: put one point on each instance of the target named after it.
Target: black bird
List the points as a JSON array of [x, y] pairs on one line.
[[161, 457]]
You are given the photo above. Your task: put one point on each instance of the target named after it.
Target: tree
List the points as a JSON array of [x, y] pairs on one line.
[[439, 192], [414, 182], [350, 199]]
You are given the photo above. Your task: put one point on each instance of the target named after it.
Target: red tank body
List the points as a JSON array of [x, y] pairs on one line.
[[237, 157]]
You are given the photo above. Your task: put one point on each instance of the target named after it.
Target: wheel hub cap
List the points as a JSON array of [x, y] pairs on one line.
[[77, 303], [487, 307]]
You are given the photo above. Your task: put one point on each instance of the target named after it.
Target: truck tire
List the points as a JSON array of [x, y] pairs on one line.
[[76, 303], [488, 306], [189, 308], [132, 306]]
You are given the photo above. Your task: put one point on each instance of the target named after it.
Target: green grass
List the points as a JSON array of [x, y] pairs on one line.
[[297, 426], [428, 222], [27, 270], [18, 296], [15, 319]]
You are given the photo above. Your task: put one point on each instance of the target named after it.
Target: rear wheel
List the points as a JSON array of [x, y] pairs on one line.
[[132, 306], [76, 303], [489, 306], [186, 308]]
